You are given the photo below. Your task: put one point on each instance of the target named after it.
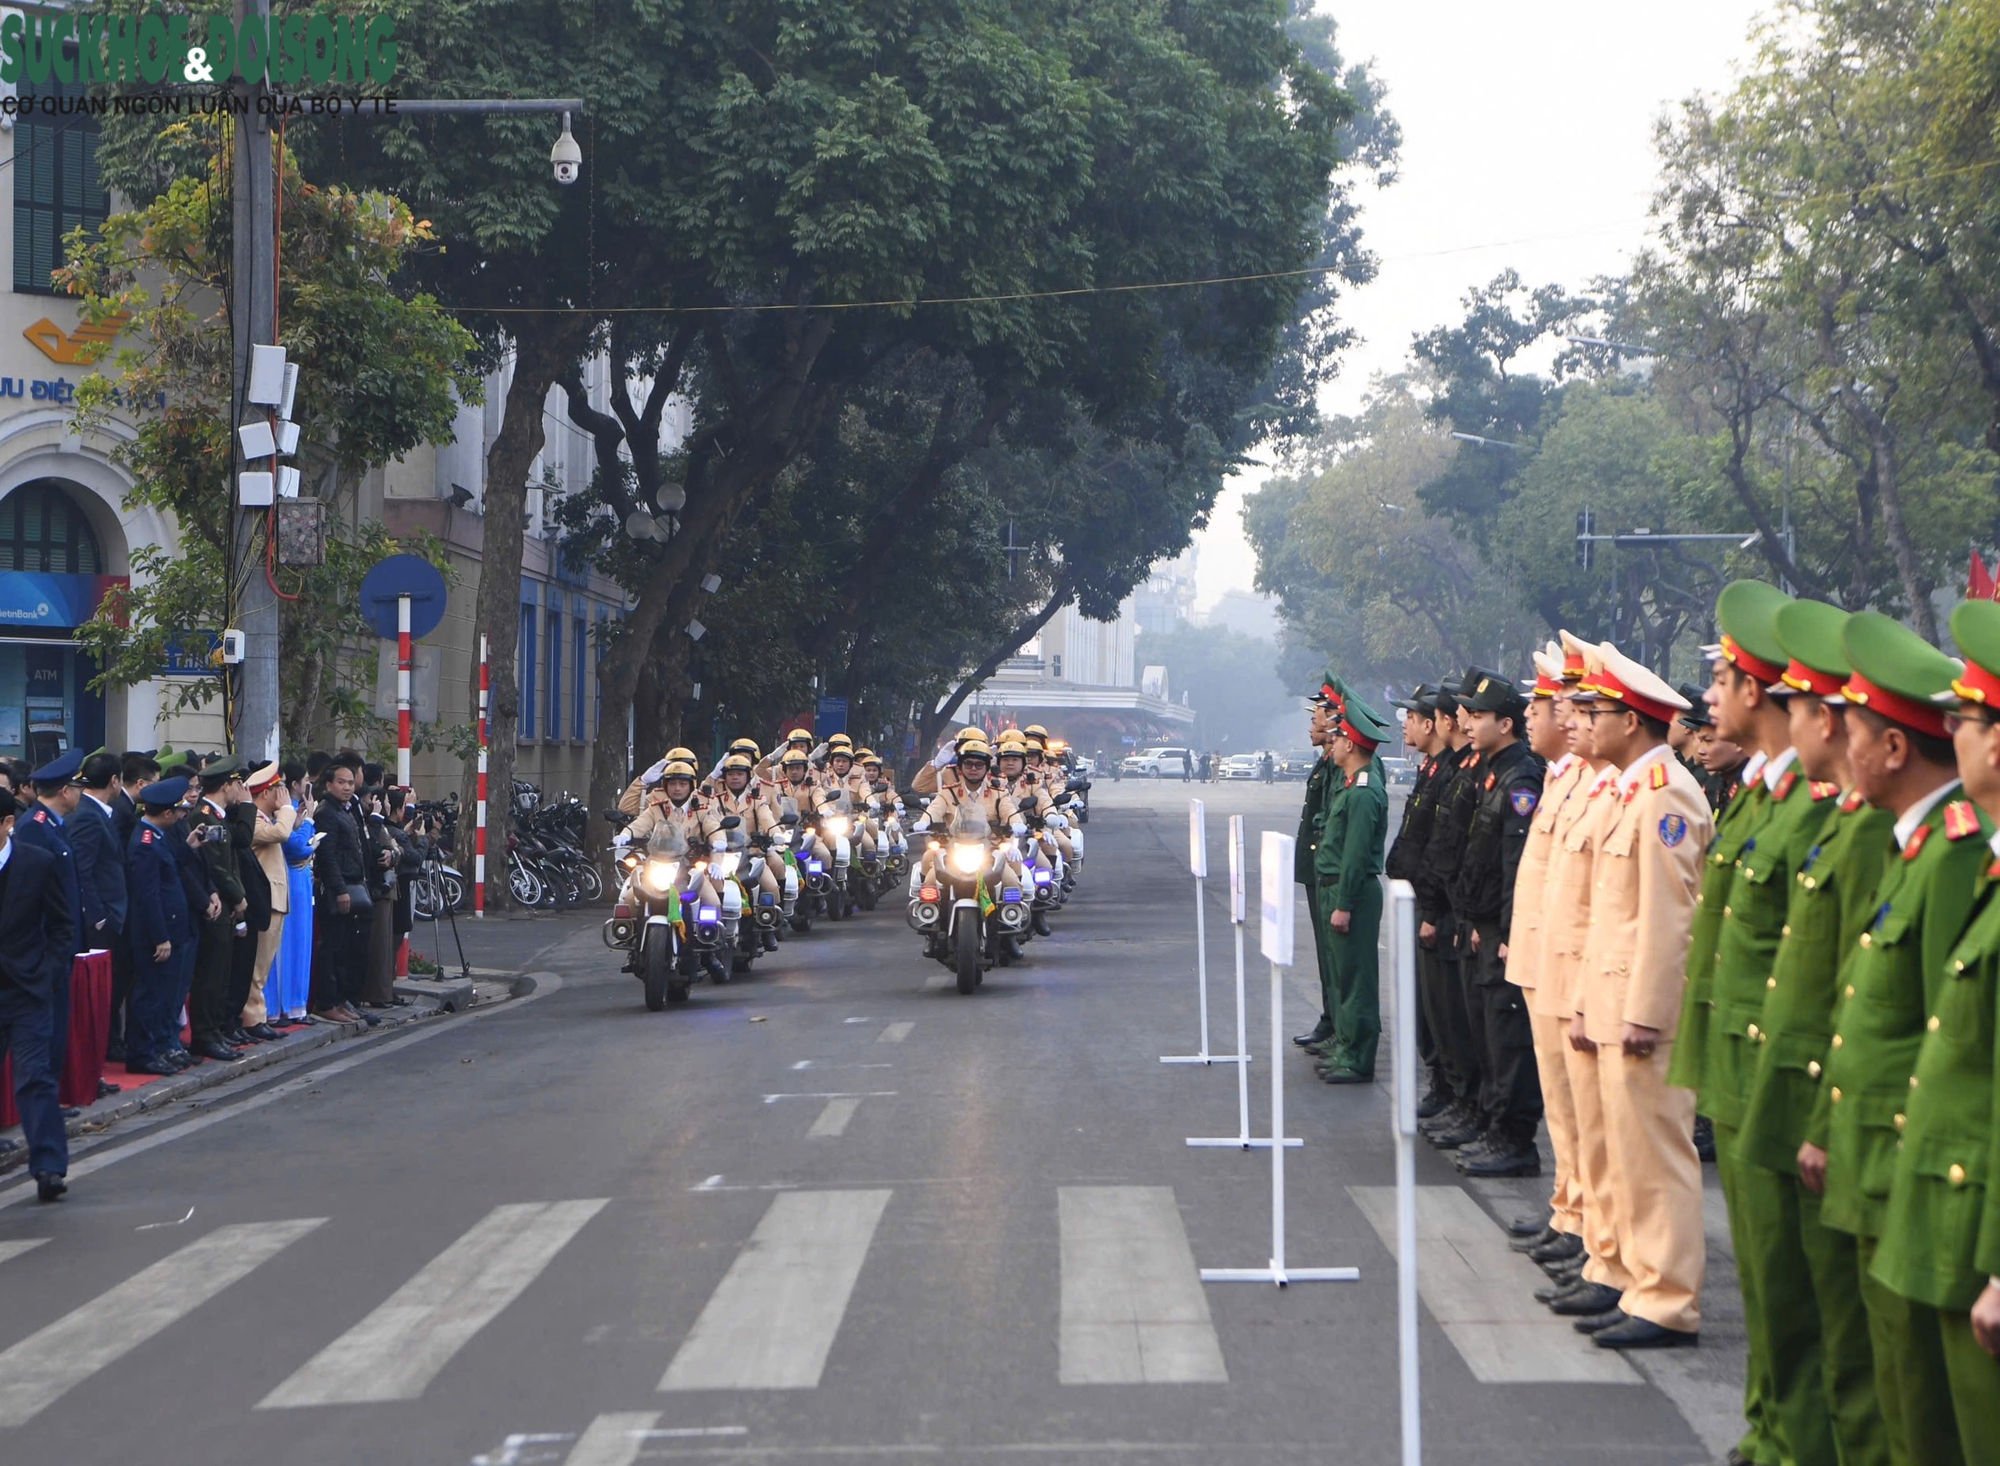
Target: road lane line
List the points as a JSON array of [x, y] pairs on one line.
[[833, 1119], [15, 1249], [826, 1094], [613, 1440], [42, 1367], [1480, 1292], [1133, 1310], [895, 1033], [772, 1320], [395, 1352]]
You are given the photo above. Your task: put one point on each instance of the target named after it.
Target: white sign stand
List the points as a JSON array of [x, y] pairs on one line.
[[1242, 1139], [1198, 866], [1275, 878], [1403, 947]]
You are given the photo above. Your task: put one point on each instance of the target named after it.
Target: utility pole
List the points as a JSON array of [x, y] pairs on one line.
[[253, 321]]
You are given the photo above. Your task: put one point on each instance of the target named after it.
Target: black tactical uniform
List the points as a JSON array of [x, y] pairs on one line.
[[1510, 1096], [209, 1020], [1405, 858], [1457, 786]]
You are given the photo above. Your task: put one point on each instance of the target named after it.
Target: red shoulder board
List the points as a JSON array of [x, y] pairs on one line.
[[1916, 845], [1473, 762], [1821, 790], [1961, 818], [41, 816], [1630, 794], [145, 837], [1737, 791], [1786, 784], [1489, 780], [1851, 802], [1657, 779]]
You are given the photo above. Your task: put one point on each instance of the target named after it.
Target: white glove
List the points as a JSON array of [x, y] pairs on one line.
[[652, 775], [943, 757], [621, 839], [818, 756]]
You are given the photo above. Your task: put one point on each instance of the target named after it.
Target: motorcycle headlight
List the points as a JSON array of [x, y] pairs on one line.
[[660, 873], [968, 859], [836, 826]]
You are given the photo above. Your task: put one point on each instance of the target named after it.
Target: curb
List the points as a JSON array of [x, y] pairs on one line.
[[430, 1000]]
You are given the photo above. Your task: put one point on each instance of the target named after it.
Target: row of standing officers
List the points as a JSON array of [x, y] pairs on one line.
[[1812, 965]]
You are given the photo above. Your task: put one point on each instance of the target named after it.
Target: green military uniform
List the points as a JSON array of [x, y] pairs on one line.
[[1312, 819], [1736, 959], [1813, 1339], [1347, 869], [1892, 983], [1941, 1228]]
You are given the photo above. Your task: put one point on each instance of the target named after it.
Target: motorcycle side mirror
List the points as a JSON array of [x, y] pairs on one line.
[[880, 786], [730, 822], [617, 818], [789, 820]]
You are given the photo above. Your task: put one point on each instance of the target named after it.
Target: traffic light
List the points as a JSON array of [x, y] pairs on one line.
[[1586, 526]]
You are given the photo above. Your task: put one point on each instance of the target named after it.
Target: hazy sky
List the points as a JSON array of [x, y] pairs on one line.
[[1527, 141]]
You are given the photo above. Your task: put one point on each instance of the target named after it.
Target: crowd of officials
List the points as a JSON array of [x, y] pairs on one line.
[[235, 902], [1770, 904]]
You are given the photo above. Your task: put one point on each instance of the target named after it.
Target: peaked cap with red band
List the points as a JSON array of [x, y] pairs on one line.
[[1897, 674], [1747, 612], [1621, 680], [1975, 626], [1809, 632]]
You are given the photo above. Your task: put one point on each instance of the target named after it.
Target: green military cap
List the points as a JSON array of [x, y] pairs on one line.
[[1897, 674], [1697, 715], [1975, 626], [1747, 612], [221, 770], [1332, 691], [1809, 634], [1362, 725]]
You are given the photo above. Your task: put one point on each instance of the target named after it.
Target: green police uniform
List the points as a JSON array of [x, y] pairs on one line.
[[1891, 984], [1941, 1235], [1347, 868], [1814, 1330], [1728, 962], [1312, 820]]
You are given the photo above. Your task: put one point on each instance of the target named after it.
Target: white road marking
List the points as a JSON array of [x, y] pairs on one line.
[[857, 1020], [15, 1249], [895, 1033], [228, 1107], [771, 1099], [939, 982], [802, 1064], [1133, 1310], [39, 1369], [833, 1119], [1481, 1293], [772, 1320], [396, 1351], [613, 1440]]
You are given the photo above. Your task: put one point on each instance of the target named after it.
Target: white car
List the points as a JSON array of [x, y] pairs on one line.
[[1160, 763], [1241, 766]]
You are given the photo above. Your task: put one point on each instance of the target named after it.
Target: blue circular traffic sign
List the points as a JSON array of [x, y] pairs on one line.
[[398, 576]]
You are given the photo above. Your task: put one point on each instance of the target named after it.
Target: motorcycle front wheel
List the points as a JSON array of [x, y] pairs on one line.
[[966, 941], [655, 975], [523, 884]]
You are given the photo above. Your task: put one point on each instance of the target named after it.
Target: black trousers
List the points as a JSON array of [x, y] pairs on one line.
[[344, 951], [208, 995], [122, 978], [1510, 1084], [1441, 994], [242, 972]]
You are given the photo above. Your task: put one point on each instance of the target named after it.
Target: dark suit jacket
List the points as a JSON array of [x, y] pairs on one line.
[[100, 867], [37, 923], [125, 816]]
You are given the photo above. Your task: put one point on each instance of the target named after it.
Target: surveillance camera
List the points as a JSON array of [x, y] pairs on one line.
[[566, 157]]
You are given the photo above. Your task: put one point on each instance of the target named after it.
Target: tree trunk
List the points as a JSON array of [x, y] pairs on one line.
[[541, 356], [934, 720]]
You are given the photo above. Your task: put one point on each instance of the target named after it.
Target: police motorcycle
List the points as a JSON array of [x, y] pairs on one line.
[[649, 919], [736, 898], [839, 837], [968, 914]]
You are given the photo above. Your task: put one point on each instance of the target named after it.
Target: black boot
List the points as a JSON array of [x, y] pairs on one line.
[[1041, 922], [1322, 1031], [715, 967]]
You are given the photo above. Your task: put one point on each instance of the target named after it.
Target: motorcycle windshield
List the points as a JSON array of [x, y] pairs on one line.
[[970, 823], [667, 843]]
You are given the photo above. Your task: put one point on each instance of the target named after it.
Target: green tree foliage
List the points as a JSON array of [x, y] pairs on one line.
[[378, 373]]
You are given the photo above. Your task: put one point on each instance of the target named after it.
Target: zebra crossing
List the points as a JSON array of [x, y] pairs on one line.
[[1132, 1310]]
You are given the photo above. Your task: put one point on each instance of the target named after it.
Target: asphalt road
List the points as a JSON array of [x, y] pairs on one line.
[[833, 1212]]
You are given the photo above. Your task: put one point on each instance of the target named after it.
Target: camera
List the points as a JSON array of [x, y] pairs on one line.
[[566, 157]]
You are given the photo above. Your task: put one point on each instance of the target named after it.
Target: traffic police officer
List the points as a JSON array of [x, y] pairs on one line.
[[1504, 804], [1347, 868], [160, 927], [1893, 982], [1940, 1247]]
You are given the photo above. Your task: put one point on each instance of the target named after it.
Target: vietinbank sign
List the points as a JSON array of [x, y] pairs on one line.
[[153, 47]]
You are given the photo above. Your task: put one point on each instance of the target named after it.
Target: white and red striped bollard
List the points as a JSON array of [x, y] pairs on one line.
[[479, 831]]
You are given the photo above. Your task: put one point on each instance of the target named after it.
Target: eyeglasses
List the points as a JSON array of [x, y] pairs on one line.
[[1954, 721]]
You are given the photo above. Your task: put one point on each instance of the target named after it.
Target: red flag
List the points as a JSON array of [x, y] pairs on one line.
[[1978, 583]]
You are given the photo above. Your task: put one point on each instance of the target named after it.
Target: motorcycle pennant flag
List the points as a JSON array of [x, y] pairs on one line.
[[1979, 583]]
